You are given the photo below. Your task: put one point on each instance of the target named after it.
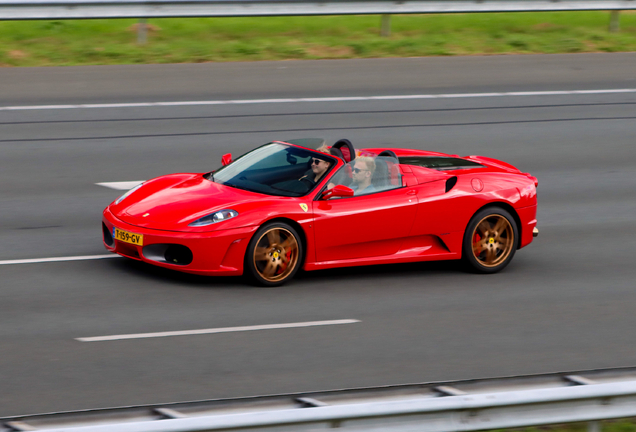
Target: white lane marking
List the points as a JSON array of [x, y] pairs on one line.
[[323, 99], [122, 185], [216, 330], [57, 259]]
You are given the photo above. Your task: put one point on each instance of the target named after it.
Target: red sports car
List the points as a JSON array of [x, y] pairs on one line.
[[287, 205]]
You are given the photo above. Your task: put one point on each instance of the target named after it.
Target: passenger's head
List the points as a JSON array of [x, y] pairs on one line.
[[363, 169]]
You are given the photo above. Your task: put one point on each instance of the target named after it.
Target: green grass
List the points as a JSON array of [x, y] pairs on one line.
[[623, 425], [181, 40]]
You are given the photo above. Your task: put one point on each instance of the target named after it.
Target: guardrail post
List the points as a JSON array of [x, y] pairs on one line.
[[385, 28], [593, 426], [614, 25], [142, 31]]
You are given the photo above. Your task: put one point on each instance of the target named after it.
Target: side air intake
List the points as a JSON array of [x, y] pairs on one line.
[[450, 183]]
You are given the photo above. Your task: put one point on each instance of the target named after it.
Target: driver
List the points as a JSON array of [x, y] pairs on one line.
[[318, 166]]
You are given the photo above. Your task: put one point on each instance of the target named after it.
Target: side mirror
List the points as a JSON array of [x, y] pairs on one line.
[[337, 191], [226, 159]]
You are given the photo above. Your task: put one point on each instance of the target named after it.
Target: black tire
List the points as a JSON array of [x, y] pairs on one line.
[[274, 254], [490, 240]]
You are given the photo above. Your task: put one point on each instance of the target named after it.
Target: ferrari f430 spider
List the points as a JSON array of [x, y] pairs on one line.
[[287, 205]]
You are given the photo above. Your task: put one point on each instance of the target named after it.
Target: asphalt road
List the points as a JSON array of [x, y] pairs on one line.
[[566, 302]]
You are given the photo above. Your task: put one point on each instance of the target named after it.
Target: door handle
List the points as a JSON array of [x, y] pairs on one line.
[[411, 192]]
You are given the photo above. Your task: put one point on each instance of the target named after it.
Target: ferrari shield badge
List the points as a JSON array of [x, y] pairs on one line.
[[304, 207]]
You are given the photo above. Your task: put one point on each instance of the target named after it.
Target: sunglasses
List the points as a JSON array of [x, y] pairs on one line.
[[357, 170], [316, 161]]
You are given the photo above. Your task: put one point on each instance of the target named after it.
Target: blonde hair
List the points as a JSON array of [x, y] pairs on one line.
[[369, 162], [323, 149]]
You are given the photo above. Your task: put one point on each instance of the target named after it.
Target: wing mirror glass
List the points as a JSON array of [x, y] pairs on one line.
[[226, 159], [338, 191]]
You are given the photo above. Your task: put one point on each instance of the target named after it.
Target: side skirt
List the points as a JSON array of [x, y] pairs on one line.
[[388, 259]]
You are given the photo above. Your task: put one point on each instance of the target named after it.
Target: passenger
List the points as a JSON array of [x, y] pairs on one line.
[[363, 171]]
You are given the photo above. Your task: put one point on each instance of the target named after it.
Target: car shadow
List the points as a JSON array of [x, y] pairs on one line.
[[385, 270], [160, 274]]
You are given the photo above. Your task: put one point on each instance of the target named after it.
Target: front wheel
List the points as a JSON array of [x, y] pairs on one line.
[[274, 254], [490, 241]]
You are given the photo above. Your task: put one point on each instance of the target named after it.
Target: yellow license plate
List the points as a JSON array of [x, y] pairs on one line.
[[128, 237]]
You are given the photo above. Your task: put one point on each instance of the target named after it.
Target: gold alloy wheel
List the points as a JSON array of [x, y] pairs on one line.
[[493, 240], [276, 254]]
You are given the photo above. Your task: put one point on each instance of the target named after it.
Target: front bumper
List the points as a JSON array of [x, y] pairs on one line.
[[218, 253]]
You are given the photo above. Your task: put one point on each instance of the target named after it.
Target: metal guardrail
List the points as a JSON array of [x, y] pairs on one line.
[[82, 9], [584, 396]]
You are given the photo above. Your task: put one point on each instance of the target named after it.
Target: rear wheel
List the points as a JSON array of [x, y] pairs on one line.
[[490, 241], [274, 254]]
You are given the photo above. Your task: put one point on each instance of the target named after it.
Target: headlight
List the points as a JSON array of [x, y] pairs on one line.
[[121, 198], [215, 217]]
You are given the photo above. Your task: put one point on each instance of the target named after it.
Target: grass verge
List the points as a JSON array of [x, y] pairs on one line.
[[188, 40], [623, 425]]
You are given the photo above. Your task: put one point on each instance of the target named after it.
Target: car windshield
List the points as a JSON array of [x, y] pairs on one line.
[[276, 169]]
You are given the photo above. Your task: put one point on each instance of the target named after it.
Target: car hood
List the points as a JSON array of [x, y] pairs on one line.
[[172, 202]]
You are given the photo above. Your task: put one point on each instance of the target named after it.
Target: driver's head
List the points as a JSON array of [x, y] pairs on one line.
[[319, 166], [363, 169]]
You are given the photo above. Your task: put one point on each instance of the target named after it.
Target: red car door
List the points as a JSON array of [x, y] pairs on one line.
[[363, 226]]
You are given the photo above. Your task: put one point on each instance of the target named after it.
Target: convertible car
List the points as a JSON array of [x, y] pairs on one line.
[[302, 204]]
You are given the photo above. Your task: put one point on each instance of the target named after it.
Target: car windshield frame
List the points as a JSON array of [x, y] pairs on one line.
[[231, 174]]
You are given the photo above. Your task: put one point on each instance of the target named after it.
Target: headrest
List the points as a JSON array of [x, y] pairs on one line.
[[345, 146], [337, 153], [388, 153]]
